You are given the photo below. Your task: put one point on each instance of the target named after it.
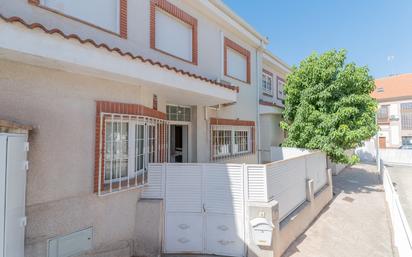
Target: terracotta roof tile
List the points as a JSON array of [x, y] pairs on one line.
[[15, 19], [399, 86]]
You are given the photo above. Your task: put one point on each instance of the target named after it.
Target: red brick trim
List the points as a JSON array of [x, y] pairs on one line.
[[55, 31], [116, 108], [217, 121], [267, 72], [261, 102], [234, 46], [123, 19], [179, 14]]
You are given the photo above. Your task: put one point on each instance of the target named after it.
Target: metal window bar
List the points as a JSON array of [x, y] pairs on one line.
[[128, 143], [406, 116], [228, 142]]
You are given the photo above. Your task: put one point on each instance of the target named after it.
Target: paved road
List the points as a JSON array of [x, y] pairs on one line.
[[402, 177], [355, 224]]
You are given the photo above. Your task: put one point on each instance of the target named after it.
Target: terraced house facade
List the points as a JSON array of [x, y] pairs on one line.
[[110, 86]]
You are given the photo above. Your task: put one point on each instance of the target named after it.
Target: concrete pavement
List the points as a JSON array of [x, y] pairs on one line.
[[355, 224], [402, 178]]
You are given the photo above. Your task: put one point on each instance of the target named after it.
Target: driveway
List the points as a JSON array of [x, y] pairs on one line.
[[402, 178], [355, 224]]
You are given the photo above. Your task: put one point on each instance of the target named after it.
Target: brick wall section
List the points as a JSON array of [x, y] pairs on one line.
[[179, 14], [115, 108], [217, 121], [234, 46], [123, 19]]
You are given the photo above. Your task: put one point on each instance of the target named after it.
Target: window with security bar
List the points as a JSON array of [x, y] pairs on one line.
[[128, 144], [406, 116], [267, 83], [229, 141], [383, 114]]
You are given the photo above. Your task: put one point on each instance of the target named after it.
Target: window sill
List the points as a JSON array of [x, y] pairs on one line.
[[267, 94], [243, 81]]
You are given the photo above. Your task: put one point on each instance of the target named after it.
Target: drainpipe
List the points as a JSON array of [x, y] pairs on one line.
[[259, 51]]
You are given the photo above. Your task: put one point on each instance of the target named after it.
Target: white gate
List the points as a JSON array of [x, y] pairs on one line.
[[204, 209], [13, 153]]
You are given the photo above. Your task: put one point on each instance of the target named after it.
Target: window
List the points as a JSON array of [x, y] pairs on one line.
[[267, 83], [230, 141], [281, 85], [236, 61], [178, 113], [173, 31], [129, 143], [407, 140], [111, 15], [406, 115], [383, 113]]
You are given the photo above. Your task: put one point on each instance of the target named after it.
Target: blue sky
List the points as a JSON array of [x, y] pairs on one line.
[[376, 33]]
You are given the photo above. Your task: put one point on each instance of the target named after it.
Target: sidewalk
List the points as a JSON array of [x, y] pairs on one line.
[[355, 224]]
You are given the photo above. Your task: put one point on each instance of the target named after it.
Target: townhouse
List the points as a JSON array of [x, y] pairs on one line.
[[111, 86], [394, 95]]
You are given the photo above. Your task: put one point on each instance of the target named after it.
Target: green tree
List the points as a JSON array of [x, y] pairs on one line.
[[328, 106]]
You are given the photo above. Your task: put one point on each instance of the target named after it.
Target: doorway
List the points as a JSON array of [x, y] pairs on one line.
[[382, 142], [179, 143]]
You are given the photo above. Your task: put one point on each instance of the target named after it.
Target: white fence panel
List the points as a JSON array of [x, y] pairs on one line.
[[155, 182], [286, 183], [401, 229], [390, 156], [316, 169], [257, 187], [283, 153]]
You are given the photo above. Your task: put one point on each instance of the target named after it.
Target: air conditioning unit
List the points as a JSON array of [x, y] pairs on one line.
[[394, 118]]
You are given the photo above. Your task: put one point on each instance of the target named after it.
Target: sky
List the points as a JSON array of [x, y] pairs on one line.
[[375, 33]]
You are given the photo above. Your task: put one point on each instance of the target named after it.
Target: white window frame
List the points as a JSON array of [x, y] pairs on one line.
[[61, 12], [148, 156], [265, 78], [280, 83], [232, 150]]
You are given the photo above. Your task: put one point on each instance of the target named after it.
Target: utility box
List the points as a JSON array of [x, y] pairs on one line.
[[13, 168], [262, 231]]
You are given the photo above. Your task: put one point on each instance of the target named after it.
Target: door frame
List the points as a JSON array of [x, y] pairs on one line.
[[189, 137]]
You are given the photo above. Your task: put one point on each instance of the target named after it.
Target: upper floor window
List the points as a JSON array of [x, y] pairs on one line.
[[267, 82], [406, 115], [383, 113], [173, 31], [178, 113], [236, 61], [110, 15], [281, 85]]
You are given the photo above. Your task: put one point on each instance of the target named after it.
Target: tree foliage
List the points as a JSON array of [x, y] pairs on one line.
[[328, 106]]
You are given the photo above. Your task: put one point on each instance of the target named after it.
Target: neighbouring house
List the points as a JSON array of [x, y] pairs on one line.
[[112, 86], [394, 96]]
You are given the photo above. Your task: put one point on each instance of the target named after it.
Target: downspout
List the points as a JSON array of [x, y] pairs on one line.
[[258, 85]]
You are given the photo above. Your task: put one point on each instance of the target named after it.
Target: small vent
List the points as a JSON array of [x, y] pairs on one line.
[[379, 89]]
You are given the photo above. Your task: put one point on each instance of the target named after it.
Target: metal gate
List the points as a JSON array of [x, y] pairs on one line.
[[204, 209]]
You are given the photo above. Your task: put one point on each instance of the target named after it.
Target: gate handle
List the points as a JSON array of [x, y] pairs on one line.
[[204, 209]]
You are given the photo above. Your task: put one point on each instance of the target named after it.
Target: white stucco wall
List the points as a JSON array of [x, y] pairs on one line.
[[270, 134]]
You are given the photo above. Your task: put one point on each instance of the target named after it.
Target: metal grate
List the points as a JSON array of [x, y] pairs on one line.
[[383, 113], [127, 144], [406, 115], [230, 141]]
